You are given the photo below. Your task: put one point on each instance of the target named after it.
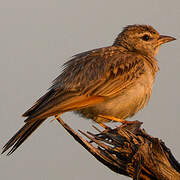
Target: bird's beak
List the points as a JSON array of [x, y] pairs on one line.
[[164, 39]]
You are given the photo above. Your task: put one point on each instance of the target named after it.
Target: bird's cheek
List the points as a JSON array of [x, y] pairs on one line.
[[156, 50]]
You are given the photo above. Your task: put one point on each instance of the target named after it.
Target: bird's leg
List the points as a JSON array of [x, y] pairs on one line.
[[56, 117], [112, 118]]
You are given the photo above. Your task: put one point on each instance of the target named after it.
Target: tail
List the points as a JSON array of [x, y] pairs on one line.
[[22, 135], [31, 125]]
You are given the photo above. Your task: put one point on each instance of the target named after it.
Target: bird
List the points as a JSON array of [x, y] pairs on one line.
[[105, 84]]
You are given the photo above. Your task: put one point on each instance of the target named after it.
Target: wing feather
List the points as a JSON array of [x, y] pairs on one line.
[[90, 75]]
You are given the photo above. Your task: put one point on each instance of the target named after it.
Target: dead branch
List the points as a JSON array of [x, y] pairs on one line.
[[130, 151]]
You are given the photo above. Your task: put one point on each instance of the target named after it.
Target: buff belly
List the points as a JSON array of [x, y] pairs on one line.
[[122, 106], [125, 104]]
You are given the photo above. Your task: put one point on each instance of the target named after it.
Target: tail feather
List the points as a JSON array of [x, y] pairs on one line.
[[21, 136], [39, 103]]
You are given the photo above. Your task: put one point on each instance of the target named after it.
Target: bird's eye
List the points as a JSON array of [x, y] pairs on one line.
[[145, 37]]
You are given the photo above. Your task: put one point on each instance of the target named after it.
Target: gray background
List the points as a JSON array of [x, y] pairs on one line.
[[36, 38]]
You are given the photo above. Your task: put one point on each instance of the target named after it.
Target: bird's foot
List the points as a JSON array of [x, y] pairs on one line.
[[56, 117], [112, 118], [125, 122]]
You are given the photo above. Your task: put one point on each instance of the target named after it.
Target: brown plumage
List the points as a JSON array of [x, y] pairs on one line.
[[114, 81]]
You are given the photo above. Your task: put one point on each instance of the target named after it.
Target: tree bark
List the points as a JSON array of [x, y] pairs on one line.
[[130, 151]]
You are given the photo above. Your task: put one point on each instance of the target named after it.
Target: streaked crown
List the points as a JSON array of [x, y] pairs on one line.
[[143, 39]]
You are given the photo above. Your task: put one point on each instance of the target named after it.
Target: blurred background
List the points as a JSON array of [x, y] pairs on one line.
[[36, 38]]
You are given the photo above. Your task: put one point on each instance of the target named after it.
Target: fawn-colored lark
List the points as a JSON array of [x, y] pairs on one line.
[[106, 84]]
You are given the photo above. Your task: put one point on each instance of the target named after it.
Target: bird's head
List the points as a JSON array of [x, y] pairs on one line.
[[143, 39]]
